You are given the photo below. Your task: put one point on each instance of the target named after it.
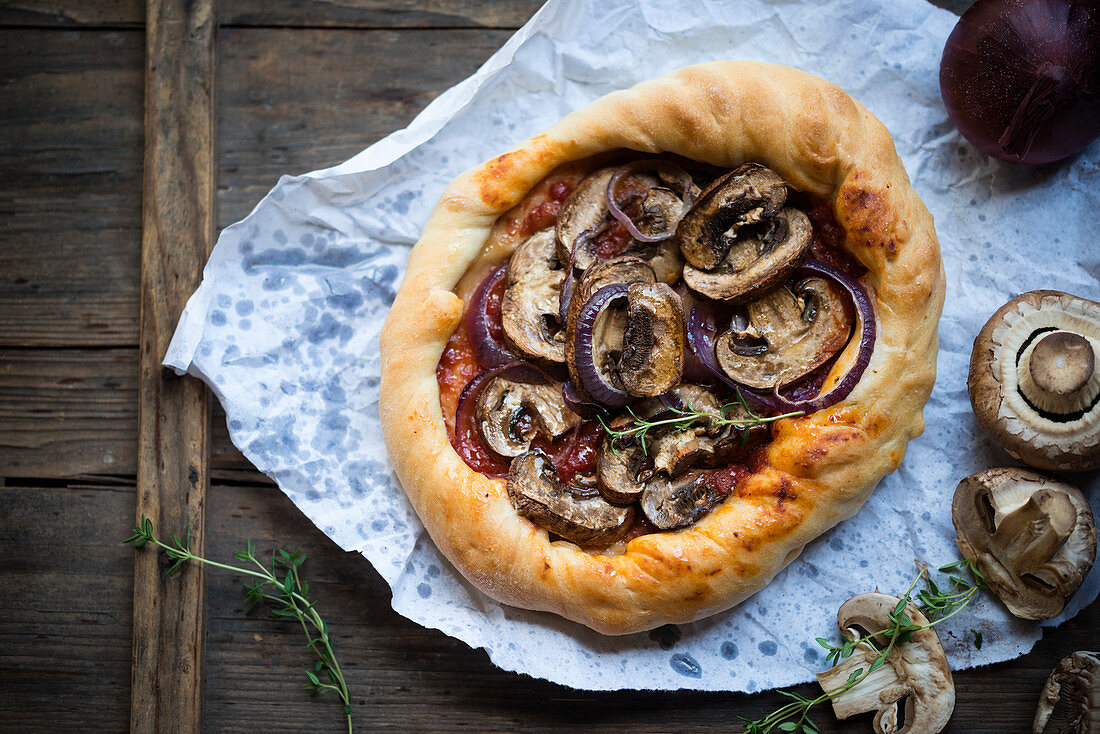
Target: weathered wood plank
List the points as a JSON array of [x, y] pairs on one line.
[[296, 100], [70, 193], [65, 640], [313, 13], [173, 413], [67, 412]]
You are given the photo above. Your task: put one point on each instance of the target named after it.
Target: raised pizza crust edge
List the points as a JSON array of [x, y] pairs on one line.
[[819, 469]]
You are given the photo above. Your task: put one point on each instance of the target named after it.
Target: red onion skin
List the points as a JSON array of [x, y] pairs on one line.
[[483, 321], [589, 377], [1019, 78]]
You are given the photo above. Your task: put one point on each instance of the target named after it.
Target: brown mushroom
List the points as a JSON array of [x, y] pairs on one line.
[[576, 512], [1070, 701], [761, 258], [1033, 538], [915, 671], [1033, 381], [747, 195], [652, 360], [670, 503], [789, 333], [529, 309], [509, 414], [627, 465]]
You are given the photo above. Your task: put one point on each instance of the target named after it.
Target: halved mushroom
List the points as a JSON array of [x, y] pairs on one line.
[[1033, 538], [529, 308], [624, 269], [915, 671], [1034, 383], [626, 339], [1070, 701], [585, 214], [760, 259], [576, 512], [627, 466], [652, 360], [510, 414], [747, 195], [789, 333], [676, 502]]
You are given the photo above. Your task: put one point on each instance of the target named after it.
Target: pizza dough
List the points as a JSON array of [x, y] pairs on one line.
[[817, 470]]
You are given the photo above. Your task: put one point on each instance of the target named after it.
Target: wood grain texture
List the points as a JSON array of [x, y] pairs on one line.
[[297, 100], [309, 13], [173, 412], [66, 599], [70, 193]]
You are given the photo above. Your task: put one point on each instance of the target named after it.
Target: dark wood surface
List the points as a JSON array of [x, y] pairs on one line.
[[300, 85]]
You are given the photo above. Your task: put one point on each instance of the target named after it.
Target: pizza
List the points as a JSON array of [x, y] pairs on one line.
[[639, 361]]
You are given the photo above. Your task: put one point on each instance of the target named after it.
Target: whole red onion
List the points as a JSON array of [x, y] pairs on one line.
[[1021, 78]]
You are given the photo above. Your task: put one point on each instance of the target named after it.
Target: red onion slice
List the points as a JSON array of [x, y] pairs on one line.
[[682, 176], [592, 380], [868, 331], [702, 332], [484, 327], [467, 441]]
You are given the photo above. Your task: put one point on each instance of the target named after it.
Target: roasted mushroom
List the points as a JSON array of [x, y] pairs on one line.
[[1034, 383], [747, 195], [915, 670], [1033, 538], [676, 502], [1070, 701], [585, 214], [510, 414], [789, 333], [529, 308], [576, 512], [627, 466], [652, 359], [625, 340], [762, 257]]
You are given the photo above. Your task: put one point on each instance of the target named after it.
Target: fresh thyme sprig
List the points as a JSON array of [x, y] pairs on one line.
[[289, 599], [937, 605], [685, 418]]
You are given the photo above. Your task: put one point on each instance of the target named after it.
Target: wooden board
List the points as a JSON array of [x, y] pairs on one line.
[[173, 413]]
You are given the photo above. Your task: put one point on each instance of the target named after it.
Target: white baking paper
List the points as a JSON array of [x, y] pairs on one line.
[[285, 326]]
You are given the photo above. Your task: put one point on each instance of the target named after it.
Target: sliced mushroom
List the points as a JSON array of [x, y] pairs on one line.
[[626, 467], [760, 259], [1070, 701], [529, 308], [652, 360], [1034, 383], [576, 512], [915, 671], [1033, 538], [510, 414], [676, 502], [585, 214], [747, 195], [624, 269], [789, 334]]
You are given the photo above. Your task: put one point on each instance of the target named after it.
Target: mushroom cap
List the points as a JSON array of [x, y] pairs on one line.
[[759, 259], [510, 413], [576, 513], [1026, 361], [915, 670], [790, 333], [529, 310], [1032, 537], [653, 340], [1073, 690]]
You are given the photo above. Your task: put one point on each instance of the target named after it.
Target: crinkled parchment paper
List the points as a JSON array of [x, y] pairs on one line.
[[285, 326]]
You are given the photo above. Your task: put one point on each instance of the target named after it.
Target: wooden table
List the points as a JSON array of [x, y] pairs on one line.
[[297, 85]]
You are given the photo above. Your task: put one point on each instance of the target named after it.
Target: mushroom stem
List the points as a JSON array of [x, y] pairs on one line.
[[879, 689], [1030, 535], [1062, 363]]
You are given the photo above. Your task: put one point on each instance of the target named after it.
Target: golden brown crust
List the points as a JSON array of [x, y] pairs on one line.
[[819, 469]]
